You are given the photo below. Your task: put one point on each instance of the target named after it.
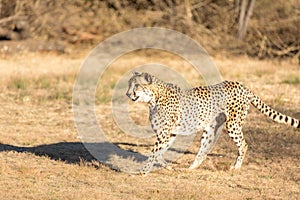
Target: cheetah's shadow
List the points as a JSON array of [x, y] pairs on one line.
[[76, 152]]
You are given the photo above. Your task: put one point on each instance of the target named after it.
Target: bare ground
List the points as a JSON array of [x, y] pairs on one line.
[[41, 156]]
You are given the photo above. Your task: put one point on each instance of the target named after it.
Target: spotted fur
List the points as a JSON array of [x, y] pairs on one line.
[[183, 112]]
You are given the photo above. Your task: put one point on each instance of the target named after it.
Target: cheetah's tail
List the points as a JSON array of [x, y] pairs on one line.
[[273, 114]]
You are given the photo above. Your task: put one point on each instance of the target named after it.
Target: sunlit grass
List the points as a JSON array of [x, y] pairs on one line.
[[42, 88], [45, 124]]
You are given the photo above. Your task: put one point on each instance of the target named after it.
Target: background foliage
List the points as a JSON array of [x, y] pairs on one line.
[[273, 30]]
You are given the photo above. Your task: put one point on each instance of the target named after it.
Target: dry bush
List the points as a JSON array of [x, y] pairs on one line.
[[273, 29]]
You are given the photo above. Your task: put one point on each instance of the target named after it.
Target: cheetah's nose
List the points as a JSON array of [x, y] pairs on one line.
[[127, 94]]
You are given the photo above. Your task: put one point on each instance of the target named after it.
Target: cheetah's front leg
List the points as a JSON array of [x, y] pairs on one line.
[[164, 141]]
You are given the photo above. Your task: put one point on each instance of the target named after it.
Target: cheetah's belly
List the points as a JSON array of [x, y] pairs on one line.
[[187, 127]]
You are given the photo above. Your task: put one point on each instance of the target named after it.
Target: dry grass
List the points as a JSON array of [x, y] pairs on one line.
[[42, 158]]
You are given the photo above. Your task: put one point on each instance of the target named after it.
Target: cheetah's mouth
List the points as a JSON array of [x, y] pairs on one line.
[[135, 99]]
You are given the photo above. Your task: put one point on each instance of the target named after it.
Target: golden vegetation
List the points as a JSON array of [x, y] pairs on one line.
[[41, 156]]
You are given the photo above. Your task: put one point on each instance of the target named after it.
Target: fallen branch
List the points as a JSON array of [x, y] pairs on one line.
[[285, 51], [10, 18]]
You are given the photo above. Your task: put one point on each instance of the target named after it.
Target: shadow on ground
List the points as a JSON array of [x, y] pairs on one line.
[[75, 152]]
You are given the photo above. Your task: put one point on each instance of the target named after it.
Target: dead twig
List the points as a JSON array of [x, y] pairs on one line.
[[10, 18]]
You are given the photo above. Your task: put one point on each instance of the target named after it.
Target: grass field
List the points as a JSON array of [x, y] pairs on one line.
[[41, 156]]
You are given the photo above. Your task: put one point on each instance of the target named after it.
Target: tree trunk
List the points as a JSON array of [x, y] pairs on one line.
[[245, 17]]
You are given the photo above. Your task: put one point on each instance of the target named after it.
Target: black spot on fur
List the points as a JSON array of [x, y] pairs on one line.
[[274, 116], [292, 122], [286, 119], [298, 124], [280, 117]]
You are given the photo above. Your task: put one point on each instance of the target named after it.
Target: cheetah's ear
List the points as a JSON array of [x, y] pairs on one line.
[[148, 78], [136, 73]]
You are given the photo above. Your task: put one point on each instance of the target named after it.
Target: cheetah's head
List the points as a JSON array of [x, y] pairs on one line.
[[138, 87]]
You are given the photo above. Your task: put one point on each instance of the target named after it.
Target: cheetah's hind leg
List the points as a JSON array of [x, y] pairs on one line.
[[239, 140], [235, 132], [209, 138], [234, 129]]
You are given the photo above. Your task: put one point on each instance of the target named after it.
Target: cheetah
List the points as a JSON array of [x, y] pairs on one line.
[[173, 111]]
